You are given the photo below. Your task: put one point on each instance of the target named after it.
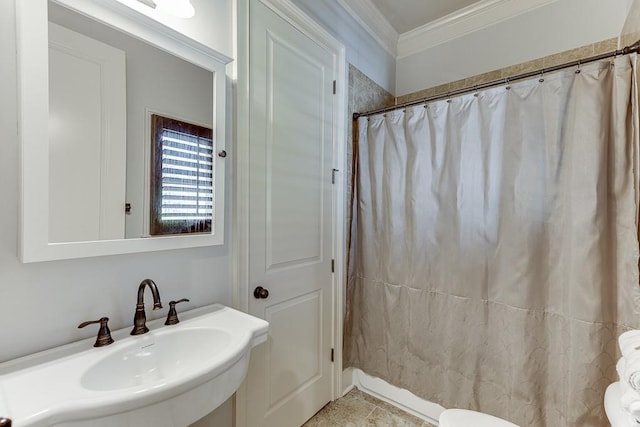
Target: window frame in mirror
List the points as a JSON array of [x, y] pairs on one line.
[[33, 108], [158, 225]]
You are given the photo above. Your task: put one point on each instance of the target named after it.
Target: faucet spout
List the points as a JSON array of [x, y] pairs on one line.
[[140, 318]]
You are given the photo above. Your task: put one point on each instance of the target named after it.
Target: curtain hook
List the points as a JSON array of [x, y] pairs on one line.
[[578, 70], [448, 97], [476, 94], [541, 76], [508, 86]]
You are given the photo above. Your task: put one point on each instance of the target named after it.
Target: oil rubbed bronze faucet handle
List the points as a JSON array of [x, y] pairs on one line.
[[172, 316], [5, 422], [104, 334]]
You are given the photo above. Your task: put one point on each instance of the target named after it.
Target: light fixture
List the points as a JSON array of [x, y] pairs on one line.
[[178, 8]]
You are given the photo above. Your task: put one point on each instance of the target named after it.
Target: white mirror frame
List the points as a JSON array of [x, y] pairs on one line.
[[33, 108]]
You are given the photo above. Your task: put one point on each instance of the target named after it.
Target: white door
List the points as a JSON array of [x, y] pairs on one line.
[[290, 220]]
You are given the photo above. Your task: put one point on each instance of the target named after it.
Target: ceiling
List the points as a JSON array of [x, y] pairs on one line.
[[405, 15]]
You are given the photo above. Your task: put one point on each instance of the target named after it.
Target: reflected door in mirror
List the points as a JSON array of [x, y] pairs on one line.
[[87, 138]]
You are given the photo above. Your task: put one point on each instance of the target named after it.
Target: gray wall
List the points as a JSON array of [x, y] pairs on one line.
[[363, 52], [558, 26], [42, 303]]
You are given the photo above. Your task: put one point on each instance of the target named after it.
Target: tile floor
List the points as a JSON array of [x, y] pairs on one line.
[[358, 409]]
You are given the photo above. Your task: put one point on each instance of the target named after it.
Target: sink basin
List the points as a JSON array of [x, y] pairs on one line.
[[170, 376], [156, 358]]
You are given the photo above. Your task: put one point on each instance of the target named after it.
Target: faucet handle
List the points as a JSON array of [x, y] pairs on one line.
[[104, 334], [172, 316]]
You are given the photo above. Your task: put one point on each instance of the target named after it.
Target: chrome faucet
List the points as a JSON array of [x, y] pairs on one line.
[[140, 318]]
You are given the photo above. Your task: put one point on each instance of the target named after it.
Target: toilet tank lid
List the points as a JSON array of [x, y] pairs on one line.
[[464, 418]]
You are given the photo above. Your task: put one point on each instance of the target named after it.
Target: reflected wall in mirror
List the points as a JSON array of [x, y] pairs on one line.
[[91, 76], [104, 86]]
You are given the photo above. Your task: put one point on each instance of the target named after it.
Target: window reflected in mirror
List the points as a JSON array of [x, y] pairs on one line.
[[181, 177]]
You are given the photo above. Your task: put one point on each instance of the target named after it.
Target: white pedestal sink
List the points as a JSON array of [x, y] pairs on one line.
[[171, 376]]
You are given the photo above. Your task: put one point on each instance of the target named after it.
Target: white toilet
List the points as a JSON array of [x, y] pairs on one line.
[[465, 418]]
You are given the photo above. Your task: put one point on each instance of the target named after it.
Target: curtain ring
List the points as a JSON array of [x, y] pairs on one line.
[[507, 87], [476, 94], [578, 70], [448, 97], [541, 76]]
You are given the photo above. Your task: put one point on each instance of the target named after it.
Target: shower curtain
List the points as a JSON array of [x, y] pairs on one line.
[[496, 247]]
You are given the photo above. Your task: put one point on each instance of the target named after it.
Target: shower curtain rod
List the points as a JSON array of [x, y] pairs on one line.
[[634, 48]]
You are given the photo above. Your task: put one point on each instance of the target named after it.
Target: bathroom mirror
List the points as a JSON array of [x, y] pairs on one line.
[[141, 69]]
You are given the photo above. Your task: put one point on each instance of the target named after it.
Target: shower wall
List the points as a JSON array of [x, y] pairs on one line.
[[364, 95], [463, 230]]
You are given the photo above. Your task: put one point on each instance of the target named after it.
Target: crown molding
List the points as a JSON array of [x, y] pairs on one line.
[[374, 22], [477, 16]]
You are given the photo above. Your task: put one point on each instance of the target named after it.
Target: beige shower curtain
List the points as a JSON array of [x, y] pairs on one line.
[[496, 250]]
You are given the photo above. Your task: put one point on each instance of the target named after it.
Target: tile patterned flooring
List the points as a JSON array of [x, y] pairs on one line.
[[358, 409]]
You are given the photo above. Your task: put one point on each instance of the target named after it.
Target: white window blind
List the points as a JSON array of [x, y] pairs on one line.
[[182, 183], [187, 176]]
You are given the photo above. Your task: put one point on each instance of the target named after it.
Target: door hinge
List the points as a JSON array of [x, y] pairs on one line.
[[333, 265], [332, 354], [333, 175], [334, 87]]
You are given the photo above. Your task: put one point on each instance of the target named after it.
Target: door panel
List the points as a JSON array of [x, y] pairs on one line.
[[294, 154], [294, 351], [290, 219]]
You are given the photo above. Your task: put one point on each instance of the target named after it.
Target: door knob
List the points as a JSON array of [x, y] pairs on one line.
[[261, 293]]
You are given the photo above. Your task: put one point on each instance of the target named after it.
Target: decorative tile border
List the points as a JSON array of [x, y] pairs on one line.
[[503, 73]]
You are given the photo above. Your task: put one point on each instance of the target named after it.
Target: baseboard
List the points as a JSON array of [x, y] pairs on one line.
[[347, 381], [396, 396]]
